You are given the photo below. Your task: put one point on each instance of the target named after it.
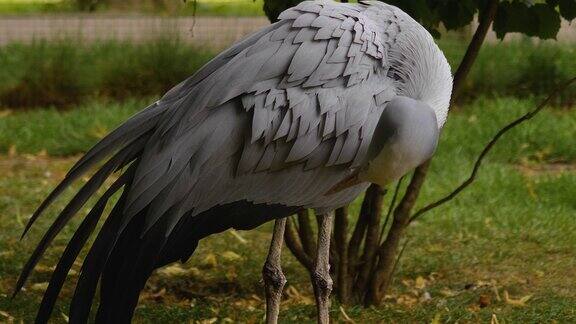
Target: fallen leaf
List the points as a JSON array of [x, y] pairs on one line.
[[494, 319], [230, 256], [425, 297], [435, 248], [173, 271], [296, 297], [44, 269], [448, 293], [406, 300], [436, 319], [495, 291], [41, 286], [484, 300], [420, 283], [6, 315], [237, 236], [346, 317], [516, 302], [6, 254], [210, 261], [158, 294]]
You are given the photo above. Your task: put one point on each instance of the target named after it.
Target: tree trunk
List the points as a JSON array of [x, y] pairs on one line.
[[382, 275], [485, 20], [374, 196], [341, 243]]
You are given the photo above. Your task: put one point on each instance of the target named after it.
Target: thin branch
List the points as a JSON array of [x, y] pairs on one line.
[[306, 233], [341, 244], [489, 146], [387, 251], [395, 266], [357, 237], [293, 243], [391, 208], [486, 17], [375, 194]]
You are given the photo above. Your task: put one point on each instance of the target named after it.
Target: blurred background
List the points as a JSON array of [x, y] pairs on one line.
[[504, 251]]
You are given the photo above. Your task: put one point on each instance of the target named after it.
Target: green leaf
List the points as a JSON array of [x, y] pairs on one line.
[[539, 20], [457, 14], [567, 9], [514, 17], [548, 20]]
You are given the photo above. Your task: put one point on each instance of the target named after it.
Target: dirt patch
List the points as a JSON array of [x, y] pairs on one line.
[[546, 168]]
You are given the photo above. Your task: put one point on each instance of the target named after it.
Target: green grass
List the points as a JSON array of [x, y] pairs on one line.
[[34, 6], [63, 134], [511, 231], [62, 74], [232, 8], [201, 8], [520, 68]]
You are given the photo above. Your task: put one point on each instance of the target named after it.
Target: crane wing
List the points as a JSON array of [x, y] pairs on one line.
[[301, 101]]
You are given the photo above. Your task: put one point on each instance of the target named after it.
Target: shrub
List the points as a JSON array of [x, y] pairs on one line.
[[517, 68], [62, 74], [152, 68], [47, 75]]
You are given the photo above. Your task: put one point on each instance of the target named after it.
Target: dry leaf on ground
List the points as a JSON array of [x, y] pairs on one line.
[[516, 302], [420, 283], [230, 256], [41, 286], [210, 261]]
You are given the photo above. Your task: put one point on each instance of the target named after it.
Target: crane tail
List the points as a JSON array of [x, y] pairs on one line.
[[72, 250], [137, 252], [132, 129], [124, 145]]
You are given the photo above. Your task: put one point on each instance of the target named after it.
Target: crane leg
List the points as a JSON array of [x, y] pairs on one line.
[[274, 279], [321, 280]]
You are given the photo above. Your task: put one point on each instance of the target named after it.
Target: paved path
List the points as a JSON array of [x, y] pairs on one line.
[[211, 32], [215, 32]]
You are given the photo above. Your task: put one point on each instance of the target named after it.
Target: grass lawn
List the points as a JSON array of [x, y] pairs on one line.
[[63, 74], [34, 6], [502, 250], [235, 8]]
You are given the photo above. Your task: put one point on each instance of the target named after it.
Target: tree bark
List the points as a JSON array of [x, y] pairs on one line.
[[375, 196], [341, 244], [356, 241], [486, 17], [306, 233], [387, 252], [295, 245]]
